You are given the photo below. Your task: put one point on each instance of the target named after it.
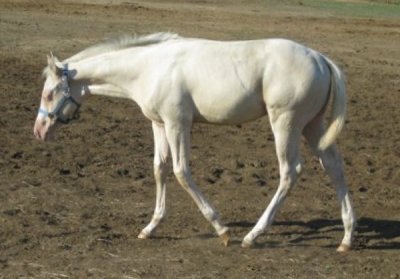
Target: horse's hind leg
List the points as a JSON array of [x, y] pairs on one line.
[[287, 139], [331, 161], [161, 154], [178, 136]]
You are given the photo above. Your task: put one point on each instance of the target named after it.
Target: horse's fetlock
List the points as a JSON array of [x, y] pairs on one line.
[[211, 215], [158, 216]]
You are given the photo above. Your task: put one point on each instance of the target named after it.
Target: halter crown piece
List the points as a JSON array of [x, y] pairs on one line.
[[65, 99]]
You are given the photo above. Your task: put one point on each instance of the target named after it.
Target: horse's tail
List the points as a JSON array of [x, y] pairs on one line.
[[338, 95]]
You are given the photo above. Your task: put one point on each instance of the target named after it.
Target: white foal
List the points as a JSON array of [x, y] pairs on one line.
[[178, 81]]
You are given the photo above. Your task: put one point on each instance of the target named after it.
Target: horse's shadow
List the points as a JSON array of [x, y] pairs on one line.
[[375, 234]]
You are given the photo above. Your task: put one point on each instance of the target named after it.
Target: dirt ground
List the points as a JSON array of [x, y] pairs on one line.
[[73, 208]]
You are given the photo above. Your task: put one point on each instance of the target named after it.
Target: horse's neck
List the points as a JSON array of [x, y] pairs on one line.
[[107, 89], [106, 75]]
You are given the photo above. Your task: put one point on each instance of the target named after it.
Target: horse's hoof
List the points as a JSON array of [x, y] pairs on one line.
[[247, 244], [143, 235], [225, 237], [343, 248]]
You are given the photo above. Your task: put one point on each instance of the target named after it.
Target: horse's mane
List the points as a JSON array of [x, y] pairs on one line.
[[122, 42], [119, 43]]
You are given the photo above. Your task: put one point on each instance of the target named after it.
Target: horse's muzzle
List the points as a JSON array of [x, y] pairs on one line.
[[43, 130]]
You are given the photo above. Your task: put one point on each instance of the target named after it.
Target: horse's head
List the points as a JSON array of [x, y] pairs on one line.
[[60, 99]]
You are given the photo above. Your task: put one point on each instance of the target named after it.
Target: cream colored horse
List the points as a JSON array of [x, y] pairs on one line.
[[178, 81]]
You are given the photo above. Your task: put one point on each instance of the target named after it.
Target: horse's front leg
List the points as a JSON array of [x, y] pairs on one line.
[[178, 135], [161, 154]]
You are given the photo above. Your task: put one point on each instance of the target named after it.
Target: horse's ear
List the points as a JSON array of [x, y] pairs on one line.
[[54, 64]]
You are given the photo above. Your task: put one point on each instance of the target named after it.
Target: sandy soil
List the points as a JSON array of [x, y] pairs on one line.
[[73, 208]]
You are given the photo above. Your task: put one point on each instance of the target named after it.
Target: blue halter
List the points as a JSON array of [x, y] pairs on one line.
[[65, 99]]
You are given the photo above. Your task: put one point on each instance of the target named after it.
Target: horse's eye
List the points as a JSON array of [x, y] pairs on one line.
[[49, 97]]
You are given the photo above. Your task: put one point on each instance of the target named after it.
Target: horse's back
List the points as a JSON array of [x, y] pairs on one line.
[[235, 82]]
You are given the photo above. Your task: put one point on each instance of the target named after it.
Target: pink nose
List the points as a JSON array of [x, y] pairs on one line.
[[38, 130], [37, 134], [44, 130]]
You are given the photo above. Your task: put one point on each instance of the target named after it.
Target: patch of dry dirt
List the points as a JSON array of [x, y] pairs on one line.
[[73, 208]]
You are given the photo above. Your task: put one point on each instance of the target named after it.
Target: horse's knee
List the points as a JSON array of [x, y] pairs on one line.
[[291, 172], [181, 175], [159, 168]]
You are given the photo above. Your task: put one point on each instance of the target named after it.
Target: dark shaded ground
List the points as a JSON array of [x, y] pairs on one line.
[[73, 208]]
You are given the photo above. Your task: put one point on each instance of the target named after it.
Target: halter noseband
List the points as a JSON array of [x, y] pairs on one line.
[[66, 97]]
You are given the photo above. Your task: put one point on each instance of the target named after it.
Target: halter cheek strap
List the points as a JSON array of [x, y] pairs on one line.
[[55, 113]]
